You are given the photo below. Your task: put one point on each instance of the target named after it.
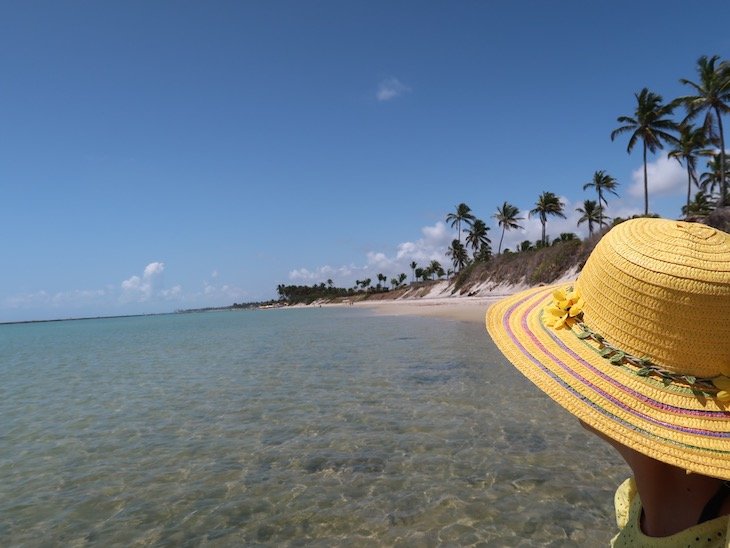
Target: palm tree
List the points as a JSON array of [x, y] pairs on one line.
[[650, 125], [691, 144], [712, 94], [602, 182], [463, 213], [713, 176], [402, 277], [458, 254], [436, 269], [591, 213], [699, 207], [547, 204], [525, 245], [506, 218], [414, 265], [477, 237]]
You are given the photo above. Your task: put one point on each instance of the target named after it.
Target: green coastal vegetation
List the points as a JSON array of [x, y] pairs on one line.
[[691, 128]]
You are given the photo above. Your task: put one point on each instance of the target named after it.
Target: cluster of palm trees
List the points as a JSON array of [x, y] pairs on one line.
[[476, 237], [548, 204], [364, 285], [651, 124]]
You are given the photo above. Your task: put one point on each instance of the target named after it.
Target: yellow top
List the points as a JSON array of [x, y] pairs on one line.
[[710, 534]]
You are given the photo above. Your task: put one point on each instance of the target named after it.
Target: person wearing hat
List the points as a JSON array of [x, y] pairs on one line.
[[638, 349]]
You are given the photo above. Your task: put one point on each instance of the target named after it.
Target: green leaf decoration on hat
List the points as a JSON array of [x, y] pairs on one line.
[[566, 311]]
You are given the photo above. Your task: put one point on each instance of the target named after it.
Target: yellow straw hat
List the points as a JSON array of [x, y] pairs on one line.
[[638, 346]]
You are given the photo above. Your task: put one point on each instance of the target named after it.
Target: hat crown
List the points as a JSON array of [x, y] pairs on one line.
[[661, 289]]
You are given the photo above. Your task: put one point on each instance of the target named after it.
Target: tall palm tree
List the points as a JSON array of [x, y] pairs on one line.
[[507, 217], [547, 204], [414, 265], [691, 144], [650, 125], [591, 213], [711, 94], [463, 213], [477, 236], [602, 182], [458, 254]]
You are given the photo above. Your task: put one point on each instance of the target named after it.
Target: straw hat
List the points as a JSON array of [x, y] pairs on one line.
[[638, 346]]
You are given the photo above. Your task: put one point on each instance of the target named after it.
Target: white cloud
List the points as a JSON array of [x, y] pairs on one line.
[[321, 274], [431, 247], [78, 296], [665, 176], [75, 298], [225, 294], [148, 287], [25, 300], [390, 88], [153, 269]]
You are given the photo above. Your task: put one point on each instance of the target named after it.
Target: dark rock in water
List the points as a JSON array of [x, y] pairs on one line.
[[720, 219]]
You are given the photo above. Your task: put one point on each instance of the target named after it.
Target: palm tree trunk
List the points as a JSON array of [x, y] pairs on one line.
[[600, 212], [689, 187], [646, 185], [543, 221], [723, 183], [500, 241]]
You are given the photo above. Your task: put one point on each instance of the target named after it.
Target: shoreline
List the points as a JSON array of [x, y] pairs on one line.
[[440, 302]]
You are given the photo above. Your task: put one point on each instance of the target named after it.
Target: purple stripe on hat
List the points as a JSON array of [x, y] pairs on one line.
[[641, 397]]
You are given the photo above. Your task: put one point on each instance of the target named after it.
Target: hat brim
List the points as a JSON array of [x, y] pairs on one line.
[[668, 422]]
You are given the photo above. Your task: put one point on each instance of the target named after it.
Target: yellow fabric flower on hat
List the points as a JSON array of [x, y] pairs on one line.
[[722, 383], [565, 306]]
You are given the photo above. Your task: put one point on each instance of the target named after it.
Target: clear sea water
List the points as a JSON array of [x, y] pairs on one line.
[[299, 427]]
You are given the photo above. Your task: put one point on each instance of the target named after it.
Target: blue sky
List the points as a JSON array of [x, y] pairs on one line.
[[165, 155]]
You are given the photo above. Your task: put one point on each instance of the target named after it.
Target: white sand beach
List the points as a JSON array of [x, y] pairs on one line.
[[467, 309], [441, 303]]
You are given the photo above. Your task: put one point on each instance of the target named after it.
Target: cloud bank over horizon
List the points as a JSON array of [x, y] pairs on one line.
[[130, 296]]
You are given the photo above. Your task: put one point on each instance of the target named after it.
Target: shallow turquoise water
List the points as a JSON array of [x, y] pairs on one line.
[[286, 427]]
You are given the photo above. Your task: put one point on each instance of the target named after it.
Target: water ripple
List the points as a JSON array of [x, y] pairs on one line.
[[316, 427]]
